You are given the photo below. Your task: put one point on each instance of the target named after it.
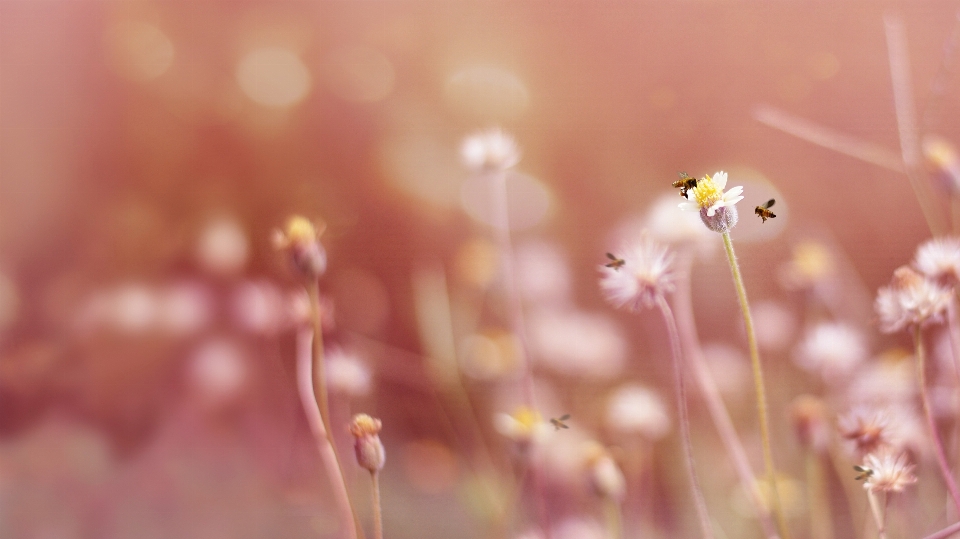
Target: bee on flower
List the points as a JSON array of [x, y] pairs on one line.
[[717, 207]]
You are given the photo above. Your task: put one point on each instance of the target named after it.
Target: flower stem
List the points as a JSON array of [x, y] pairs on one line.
[[879, 511], [377, 516], [614, 516], [711, 395], [680, 388], [821, 522], [325, 444], [758, 386], [931, 422]]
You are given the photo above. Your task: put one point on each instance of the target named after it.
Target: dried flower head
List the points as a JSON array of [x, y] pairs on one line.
[[490, 150], [523, 426], [811, 423], [717, 208], [301, 240], [868, 429], [939, 259], [644, 275], [887, 471], [911, 299], [369, 449]]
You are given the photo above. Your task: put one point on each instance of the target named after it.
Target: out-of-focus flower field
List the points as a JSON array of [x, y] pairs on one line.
[[480, 185]]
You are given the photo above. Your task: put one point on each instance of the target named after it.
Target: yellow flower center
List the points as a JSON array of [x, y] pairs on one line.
[[706, 193], [300, 230], [527, 418]]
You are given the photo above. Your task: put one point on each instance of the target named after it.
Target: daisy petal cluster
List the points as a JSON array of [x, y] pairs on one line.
[[868, 429], [910, 300], [490, 150], [888, 471], [523, 426], [644, 275], [939, 259], [717, 207]]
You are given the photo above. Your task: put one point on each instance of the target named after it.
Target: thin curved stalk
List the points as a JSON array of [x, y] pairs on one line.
[[377, 513], [931, 422], [758, 385], [711, 395], [328, 454], [684, 417]]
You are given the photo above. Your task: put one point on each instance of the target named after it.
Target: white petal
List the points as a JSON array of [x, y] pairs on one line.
[[689, 206], [728, 201], [720, 179], [734, 191], [713, 209]]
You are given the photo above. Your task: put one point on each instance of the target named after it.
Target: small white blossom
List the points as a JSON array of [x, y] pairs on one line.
[[910, 300], [636, 409], [522, 426], [644, 275], [831, 350], [490, 150], [717, 208], [939, 259], [888, 471]]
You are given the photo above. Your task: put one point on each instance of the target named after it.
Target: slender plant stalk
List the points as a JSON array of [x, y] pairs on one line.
[[758, 386], [711, 394], [614, 516], [931, 422], [879, 510], [377, 513], [946, 532], [953, 330], [515, 306], [821, 521], [325, 444], [699, 503], [502, 226]]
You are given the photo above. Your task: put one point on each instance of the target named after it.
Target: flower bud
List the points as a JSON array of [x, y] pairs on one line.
[[301, 240], [369, 449], [604, 474], [723, 219]]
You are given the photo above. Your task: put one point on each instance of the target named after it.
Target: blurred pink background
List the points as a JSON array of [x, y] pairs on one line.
[[149, 149]]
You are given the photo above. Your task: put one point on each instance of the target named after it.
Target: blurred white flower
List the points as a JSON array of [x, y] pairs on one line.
[[634, 409], [775, 325], [522, 426], [218, 370], [577, 343], [579, 528], [222, 246], [668, 225], [543, 275], [888, 471], [184, 308], [604, 474], [910, 300], [490, 150], [832, 350], [644, 275], [259, 307], [939, 259], [347, 373]]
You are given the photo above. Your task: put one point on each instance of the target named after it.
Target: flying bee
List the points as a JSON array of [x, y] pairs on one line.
[[685, 183], [864, 472], [615, 263], [764, 211], [558, 422]]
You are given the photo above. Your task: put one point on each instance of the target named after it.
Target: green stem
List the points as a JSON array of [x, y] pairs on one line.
[[614, 517], [758, 386]]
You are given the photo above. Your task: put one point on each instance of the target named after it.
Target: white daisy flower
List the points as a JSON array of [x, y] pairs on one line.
[[888, 471], [490, 150], [910, 300], [939, 258], [639, 275], [832, 350], [717, 208]]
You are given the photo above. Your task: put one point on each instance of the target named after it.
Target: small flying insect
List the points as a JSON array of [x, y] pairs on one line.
[[864, 472], [615, 263], [685, 183], [558, 422], [764, 211]]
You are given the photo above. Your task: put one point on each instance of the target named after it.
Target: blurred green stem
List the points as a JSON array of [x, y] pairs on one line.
[[758, 386]]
